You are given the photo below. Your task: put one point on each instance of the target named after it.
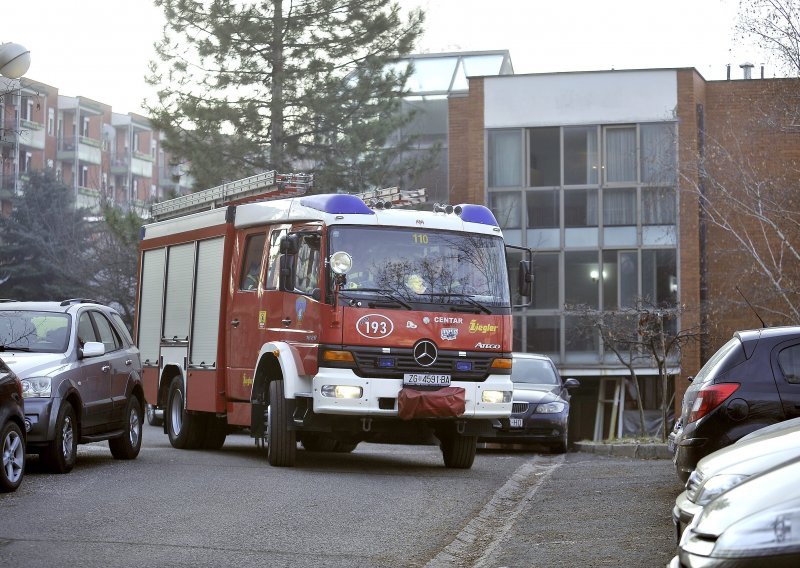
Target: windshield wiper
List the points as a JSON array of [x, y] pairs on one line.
[[480, 307], [12, 348], [394, 301]]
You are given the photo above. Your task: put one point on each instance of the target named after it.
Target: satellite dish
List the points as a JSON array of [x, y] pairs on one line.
[[14, 60]]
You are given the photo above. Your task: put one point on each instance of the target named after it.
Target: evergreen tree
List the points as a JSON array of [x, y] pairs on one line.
[[312, 85], [44, 243]]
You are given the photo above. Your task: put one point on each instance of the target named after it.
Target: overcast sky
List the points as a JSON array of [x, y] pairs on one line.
[[100, 48]]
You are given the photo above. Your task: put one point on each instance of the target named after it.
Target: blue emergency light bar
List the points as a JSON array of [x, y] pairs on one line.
[[478, 214], [337, 203]]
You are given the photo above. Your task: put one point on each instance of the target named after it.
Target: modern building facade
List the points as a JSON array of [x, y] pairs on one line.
[[599, 173]]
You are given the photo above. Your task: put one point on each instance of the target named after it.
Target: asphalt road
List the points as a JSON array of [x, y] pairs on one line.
[[392, 506]]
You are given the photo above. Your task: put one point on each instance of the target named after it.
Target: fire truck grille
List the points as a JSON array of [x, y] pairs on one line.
[[371, 362]]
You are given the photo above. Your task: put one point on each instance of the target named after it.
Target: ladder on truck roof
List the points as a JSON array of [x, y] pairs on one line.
[[262, 187]]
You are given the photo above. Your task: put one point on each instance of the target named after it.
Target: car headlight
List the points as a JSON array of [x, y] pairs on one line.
[[715, 486], [549, 408], [771, 532], [496, 397], [36, 387]]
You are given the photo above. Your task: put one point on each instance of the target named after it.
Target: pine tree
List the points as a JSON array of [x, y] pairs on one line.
[[313, 85], [44, 243]]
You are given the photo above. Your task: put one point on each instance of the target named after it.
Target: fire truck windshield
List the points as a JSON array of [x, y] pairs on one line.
[[424, 266]]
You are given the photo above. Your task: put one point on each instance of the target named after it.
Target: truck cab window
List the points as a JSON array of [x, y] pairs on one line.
[[306, 275], [251, 264], [273, 272]]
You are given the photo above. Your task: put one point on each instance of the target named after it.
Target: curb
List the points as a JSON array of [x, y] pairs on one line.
[[638, 451]]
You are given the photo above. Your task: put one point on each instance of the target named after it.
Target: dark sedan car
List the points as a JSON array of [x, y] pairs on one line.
[[12, 430], [750, 382], [540, 406]]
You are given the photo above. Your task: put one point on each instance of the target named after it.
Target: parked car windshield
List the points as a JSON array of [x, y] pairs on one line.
[[421, 265], [38, 332], [533, 371]]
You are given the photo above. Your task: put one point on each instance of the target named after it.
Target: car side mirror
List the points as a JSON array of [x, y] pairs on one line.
[[92, 349], [572, 384]]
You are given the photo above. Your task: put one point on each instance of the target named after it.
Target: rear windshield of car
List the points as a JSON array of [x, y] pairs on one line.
[[727, 357], [37, 332], [534, 371]]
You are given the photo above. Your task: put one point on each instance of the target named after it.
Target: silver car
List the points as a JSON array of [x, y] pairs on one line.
[[752, 524], [726, 468], [81, 378]]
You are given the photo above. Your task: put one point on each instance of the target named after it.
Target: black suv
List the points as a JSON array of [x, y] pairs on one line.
[[750, 382], [81, 377]]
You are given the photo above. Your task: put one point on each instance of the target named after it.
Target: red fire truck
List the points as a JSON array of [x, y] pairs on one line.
[[324, 320]]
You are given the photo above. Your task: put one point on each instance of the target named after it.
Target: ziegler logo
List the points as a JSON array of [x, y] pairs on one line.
[[487, 345], [475, 327]]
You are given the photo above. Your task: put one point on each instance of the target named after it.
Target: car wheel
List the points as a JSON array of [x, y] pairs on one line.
[[127, 446], [12, 446], [281, 442], [61, 453], [186, 431], [152, 418], [459, 451]]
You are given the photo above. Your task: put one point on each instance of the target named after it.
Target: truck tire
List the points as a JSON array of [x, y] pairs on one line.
[[216, 432], [12, 450], [152, 418], [459, 451], [281, 442], [61, 453], [186, 431], [127, 446], [318, 443], [345, 447]]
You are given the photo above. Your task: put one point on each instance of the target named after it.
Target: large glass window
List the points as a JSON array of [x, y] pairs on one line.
[[581, 341], [545, 281], [581, 276], [619, 207], [543, 208], [620, 154], [660, 277], [580, 155], [506, 208], [251, 264], [544, 335], [658, 153], [620, 279], [545, 156], [505, 158], [658, 206], [580, 208]]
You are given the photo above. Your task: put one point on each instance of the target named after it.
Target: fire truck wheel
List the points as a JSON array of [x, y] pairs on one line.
[[216, 432], [318, 443], [186, 431], [459, 451], [345, 447], [127, 446], [281, 442]]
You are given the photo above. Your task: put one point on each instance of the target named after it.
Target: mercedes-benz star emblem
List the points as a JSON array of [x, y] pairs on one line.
[[425, 353]]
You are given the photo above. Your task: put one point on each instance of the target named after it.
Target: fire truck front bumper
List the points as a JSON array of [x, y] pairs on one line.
[[340, 391]]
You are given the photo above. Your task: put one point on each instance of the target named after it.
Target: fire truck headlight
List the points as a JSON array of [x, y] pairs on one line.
[[341, 391], [496, 397], [341, 262]]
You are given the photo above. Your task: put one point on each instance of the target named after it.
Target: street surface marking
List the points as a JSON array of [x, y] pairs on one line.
[[474, 546]]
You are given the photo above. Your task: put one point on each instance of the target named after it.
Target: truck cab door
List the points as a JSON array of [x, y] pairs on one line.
[[244, 332]]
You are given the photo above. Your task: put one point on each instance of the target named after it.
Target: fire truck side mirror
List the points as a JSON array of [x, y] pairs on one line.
[[289, 244], [525, 283]]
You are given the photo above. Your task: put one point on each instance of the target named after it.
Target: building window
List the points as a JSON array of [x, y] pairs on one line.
[[545, 162], [543, 209], [580, 208], [505, 158], [506, 207], [620, 279], [619, 207], [545, 281], [658, 206], [85, 130], [581, 277], [620, 163], [580, 155], [51, 121], [544, 335], [660, 277], [658, 158], [84, 181]]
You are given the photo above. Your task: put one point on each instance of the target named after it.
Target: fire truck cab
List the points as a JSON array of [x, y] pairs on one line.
[[321, 320]]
